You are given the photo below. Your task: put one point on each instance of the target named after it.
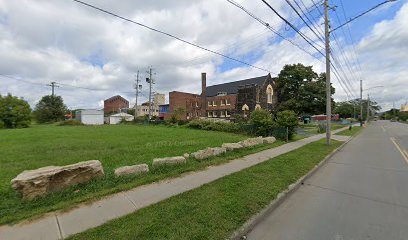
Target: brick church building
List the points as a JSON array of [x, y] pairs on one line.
[[223, 100]]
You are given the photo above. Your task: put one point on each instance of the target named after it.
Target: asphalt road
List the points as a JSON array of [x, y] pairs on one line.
[[361, 193]]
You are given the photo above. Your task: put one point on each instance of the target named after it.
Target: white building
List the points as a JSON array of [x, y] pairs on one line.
[[90, 116], [117, 118]]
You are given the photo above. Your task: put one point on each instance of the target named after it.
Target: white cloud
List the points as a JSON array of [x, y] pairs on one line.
[[63, 41]]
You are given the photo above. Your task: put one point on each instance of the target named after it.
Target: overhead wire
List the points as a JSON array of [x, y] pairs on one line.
[[271, 28], [305, 22], [171, 35], [307, 39]]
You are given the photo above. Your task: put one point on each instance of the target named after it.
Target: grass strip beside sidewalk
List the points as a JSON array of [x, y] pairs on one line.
[[217, 209], [354, 130]]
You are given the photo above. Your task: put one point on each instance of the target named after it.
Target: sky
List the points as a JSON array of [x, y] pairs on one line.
[[92, 55]]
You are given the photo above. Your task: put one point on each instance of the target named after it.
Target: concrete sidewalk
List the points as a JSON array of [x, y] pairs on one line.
[[59, 225]]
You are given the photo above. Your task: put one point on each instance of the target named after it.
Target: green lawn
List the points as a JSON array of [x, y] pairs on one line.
[[217, 209], [114, 146], [351, 132], [313, 128]]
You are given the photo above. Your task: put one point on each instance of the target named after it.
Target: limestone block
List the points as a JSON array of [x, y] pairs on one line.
[[251, 142], [268, 140], [208, 152], [231, 146], [133, 169], [169, 161], [38, 182]]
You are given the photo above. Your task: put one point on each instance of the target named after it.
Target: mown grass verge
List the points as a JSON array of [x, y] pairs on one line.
[[114, 146], [354, 130], [217, 209]]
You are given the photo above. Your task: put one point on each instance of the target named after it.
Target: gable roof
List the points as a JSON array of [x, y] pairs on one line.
[[232, 87]]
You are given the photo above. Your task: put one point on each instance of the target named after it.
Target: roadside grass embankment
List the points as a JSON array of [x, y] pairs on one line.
[[114, 146], [354, 130], [217, 209]]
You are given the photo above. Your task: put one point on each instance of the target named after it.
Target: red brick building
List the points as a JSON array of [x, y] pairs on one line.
[[115, 104], [223, 100]]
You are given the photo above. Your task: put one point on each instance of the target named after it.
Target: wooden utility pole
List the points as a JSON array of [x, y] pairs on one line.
[[328, 85], [368, 106], [150, 81], [361, 103], [52, 85], [137, 87]]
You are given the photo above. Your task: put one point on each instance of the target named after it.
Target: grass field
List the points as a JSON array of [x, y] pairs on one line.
[[217, 209], [351, 132], [114, 146]]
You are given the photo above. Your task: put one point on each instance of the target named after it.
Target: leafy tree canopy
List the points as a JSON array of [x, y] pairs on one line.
[[302, 90], [14, 112], [50, 109]]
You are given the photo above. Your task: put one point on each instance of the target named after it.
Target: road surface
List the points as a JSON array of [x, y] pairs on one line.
[[361, 193]]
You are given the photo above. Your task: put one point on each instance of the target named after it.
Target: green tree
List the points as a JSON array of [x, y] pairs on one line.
[[14, 112], [175, 116], [302, 90], [262, 121], [288, 119], [50, 109]]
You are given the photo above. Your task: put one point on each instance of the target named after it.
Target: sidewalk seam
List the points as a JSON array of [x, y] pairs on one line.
[[59, 227], [281, 197]]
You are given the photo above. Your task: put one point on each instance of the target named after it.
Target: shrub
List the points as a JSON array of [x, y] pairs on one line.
[[214, 126], [71, 122], [262, 122], [321, 127], [289, 120], [14, 112], [1, 124]]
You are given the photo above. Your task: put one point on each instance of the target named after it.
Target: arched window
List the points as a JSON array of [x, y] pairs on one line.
[[257, 106], [269, 93]]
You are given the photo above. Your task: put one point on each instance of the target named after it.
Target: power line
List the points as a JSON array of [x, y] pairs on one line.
[[170, 35], [22, 80], [304, 21], [271, 28], [351, 38], [293, 27]]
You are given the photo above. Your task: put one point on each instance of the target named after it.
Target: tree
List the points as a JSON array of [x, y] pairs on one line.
[[302, 90], [351, 109], [175, 116], [288, 119], [14, 112], [50, 109], [262, 121]]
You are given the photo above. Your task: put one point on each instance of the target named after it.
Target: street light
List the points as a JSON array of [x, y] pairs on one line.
[[368, 101], [327, 33]]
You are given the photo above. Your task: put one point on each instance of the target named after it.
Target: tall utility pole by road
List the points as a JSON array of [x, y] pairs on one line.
[[327, 32], [137, 87], [361, 103], [328, 90], [52, 85], [368, 107], [150, 81]]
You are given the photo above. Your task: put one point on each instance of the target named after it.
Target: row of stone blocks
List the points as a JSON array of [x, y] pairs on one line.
[[34, 183]]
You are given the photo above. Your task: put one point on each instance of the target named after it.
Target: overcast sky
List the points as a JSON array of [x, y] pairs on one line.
[[93, 56]]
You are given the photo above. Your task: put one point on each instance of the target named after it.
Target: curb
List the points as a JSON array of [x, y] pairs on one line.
[[281, 197]]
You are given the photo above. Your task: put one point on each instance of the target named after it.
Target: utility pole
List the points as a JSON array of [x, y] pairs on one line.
[[150, 81], [361, 103], [137, 87], [368, 107], [53, 85], [328, 90]]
